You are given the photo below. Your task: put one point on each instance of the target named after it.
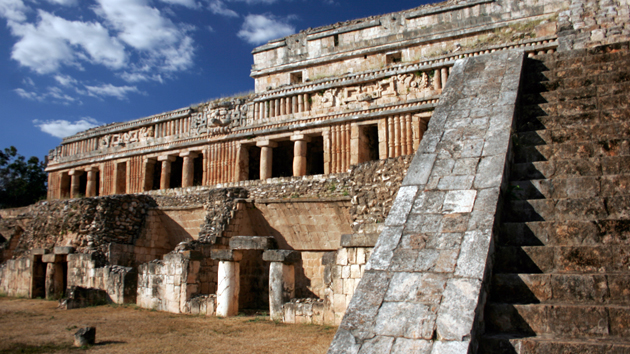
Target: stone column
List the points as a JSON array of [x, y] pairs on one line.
[[165, 177], [228, 282], [75, 183], [281, 279], [299, 154], [266, 157], [437, 79], [91, 182], [188, 170]]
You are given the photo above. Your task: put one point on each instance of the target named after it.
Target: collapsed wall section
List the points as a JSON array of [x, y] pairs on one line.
[[424, 285]]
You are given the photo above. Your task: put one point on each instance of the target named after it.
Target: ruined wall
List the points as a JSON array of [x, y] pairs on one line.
[[181, 282], [15, 277], [87, 224], [119, 282]]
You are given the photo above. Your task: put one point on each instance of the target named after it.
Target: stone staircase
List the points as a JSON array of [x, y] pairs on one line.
[[561, 281]]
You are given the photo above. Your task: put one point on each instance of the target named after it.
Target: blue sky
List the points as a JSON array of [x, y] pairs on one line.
[[68, 65]]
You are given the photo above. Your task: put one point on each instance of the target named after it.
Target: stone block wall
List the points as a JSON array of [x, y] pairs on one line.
[[181, 282], [119, 282], [15, 277]]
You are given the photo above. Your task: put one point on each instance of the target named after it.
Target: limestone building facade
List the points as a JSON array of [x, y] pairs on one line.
[[374, 155]]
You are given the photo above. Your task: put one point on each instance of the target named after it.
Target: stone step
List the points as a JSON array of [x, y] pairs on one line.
[[586, 133], [562, 259], [565, 321], [536, 118], [565, 233], [505, 344], [607, 165], [597, 208], [593, 289], [571, 150], [572, 187]]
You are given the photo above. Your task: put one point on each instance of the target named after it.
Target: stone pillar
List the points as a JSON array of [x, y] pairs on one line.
[[299, 154], [444, 75], [266, 157], [75, 183], [437, 79], [188, 170], [227, 282], [165, 177], [300, 103], [91, 183], [307, 102], [281, 279]]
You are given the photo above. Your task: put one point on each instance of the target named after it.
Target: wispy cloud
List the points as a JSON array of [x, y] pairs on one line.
[[105, 90], [258, 29], [218, 8], [64, 2], [63, 128], [53, 94], [65, 80], [187, 3]]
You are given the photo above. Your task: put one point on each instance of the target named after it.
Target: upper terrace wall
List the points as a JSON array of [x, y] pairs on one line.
[[414, 35]]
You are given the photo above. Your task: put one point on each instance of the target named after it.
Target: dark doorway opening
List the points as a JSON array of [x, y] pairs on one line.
[[198, 170], [253, 163], [368, 143], [282, 159], [83, 184], [177, 167], [157, 175], [315, 156], [97, 182], [39, 278], [64, 186], [254, 281]]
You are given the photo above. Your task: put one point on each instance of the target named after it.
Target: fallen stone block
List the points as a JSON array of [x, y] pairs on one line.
[[85, 336]]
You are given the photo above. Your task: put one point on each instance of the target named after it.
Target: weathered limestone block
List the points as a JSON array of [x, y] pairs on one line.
[[252, 242], [85, 336]]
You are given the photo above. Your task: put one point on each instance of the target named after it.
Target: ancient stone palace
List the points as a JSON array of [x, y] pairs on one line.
[[446, 179]]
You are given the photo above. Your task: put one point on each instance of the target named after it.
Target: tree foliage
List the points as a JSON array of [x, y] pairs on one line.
[[22, 182]]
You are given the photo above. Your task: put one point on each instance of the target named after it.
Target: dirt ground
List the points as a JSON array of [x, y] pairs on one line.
[[37, 326]]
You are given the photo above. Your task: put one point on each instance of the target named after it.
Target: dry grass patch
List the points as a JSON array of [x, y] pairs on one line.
[[37, 326]]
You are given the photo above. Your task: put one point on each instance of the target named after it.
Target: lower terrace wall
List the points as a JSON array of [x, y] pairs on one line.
[[15, 277], [119, 282]]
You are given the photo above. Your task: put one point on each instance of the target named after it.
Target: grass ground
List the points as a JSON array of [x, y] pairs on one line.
[[37, 326]]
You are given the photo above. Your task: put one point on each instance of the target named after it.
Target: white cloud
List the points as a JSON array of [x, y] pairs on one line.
[[54, 94], [13, 10], [162, 44], [28, 81], [63, 2], [65, 80], [110, 90], [218, 8], [63, 128], [28, 95], [188, 3], [258, 29], [138, 77], [55, 41]]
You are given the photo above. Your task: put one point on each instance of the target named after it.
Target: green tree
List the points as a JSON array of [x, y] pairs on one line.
[[22, 182]]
